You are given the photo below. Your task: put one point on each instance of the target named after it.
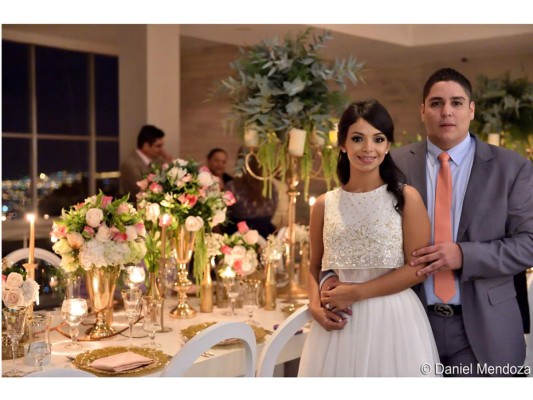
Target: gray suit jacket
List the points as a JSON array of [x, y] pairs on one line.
[[132, 169], [496, 238]]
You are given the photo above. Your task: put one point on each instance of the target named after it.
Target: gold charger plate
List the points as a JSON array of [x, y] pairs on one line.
[[83, 360], [290, 308], [191, 331]]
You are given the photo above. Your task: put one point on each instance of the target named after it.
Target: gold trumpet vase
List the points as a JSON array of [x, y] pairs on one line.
[[100, 284], [183, 246]]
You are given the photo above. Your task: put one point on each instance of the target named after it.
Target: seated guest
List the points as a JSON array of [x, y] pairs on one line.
[[216, 161]]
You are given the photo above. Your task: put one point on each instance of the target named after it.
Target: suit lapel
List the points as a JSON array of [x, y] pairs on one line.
[[417, 169], [476, 185]]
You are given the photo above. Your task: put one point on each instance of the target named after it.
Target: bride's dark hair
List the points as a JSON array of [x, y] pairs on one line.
[[376, 115]]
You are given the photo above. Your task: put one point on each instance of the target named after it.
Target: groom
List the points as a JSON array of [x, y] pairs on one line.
[[479, 331]]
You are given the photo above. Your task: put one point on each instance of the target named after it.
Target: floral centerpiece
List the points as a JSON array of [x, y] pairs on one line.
[[280, 86], [99, 237], [238, 252], [18, 291], [188, 193], [98, 233]]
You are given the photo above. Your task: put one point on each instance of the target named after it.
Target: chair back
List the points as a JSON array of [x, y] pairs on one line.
[[278, 340], [203, 341], [40, 254], [61, 372]]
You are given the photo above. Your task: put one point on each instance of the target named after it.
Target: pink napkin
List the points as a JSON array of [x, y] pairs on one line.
[[121, 362]]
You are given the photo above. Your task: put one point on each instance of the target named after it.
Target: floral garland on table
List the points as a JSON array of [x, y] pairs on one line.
[[98, 233], [17, 289], [188, 193], [238, 251]]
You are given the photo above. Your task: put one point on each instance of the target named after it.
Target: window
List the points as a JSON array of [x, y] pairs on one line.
[[65, 103]]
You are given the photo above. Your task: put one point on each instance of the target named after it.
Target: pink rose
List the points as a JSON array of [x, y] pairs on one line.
[[14, 280], [228, 198], [88, 232], [242, 227], [188, 200], [237, 265], [143, 185], [225, 250], [106, 200], [58, 232], [120, 237], [187, 178], [156, 188], [94, 217], [150, 177], [139, 226], [122, 209]]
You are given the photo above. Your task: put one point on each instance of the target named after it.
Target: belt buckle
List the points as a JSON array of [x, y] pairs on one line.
[[444, 310]]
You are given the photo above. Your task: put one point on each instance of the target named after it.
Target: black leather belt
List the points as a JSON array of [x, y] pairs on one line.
[[445, 310]]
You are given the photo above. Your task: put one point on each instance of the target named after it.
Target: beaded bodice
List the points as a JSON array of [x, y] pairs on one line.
[[362, 231]]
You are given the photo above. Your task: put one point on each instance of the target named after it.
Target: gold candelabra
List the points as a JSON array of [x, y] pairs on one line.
[[292, 290]]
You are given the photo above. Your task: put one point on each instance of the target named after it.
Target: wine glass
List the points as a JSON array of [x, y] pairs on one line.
[[15, 321], [250, 300], [39, 351], [231, 284], [132, 305], [170, 274], [152, 323], [73, 312]]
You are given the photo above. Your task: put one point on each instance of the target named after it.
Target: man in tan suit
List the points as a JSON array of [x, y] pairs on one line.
[[150, 142]]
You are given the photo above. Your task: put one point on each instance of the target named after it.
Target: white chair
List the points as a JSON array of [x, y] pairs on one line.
[[203, 341], [275, 343], [40, 254], [61, 372]]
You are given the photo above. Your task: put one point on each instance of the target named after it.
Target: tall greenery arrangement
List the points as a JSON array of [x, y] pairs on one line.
[[279, 86], [505, 105]]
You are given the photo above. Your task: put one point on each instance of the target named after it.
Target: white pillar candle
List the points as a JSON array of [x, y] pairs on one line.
[[297, 142], [251, 138], [494, 139]]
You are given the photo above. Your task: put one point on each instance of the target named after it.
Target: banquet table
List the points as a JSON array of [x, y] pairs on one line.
[[225, 361]]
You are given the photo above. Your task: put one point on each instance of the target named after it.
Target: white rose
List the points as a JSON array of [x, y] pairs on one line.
[[13, 298], [103, 234], [152, 212], [205, 178], [14, 281], [30, 290], [193, 224], [247, 267], [131, 232], [181, 162], [218, 218], [94, 217], [238, 252], [251, 237], [75, 240]]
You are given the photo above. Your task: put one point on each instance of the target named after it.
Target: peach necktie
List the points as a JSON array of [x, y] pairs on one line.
[[444, 282]]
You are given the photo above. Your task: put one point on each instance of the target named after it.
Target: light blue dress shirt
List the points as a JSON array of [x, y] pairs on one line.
[[461, 160]]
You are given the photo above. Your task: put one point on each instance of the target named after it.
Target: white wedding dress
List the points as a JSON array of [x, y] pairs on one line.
[[385, 336]]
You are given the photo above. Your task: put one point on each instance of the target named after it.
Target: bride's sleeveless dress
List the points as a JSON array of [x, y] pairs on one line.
[[385, 336]]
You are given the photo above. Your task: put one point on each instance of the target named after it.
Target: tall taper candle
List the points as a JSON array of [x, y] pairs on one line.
[[31, 219]]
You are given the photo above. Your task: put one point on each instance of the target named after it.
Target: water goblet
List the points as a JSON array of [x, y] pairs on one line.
[[73, 312], [39, 351], [250, 299], [152, 321], [15, 321], [231, 284], [132, 306]]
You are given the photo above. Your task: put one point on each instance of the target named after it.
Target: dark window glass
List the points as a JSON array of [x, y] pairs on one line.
[[59, 155], [106, 89], [106, 156], [15, 87], [62, 91], [16, 198]]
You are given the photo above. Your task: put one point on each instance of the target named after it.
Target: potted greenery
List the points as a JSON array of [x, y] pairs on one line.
[[279, 86], [505, 106]]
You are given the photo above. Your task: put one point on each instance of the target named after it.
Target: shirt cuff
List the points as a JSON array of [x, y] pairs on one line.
[[328, 274]]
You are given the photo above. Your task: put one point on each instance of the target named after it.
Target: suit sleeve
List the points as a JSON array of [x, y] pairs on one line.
[[129, 175], [511, 253]]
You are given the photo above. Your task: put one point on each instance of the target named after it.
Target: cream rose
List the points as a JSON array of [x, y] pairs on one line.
[[75, 240], [218, 218], [205, 179], [152, 212], [251, 237], [193, 224], [14, 281], [13, 298], [94, 217], [103, 234]]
